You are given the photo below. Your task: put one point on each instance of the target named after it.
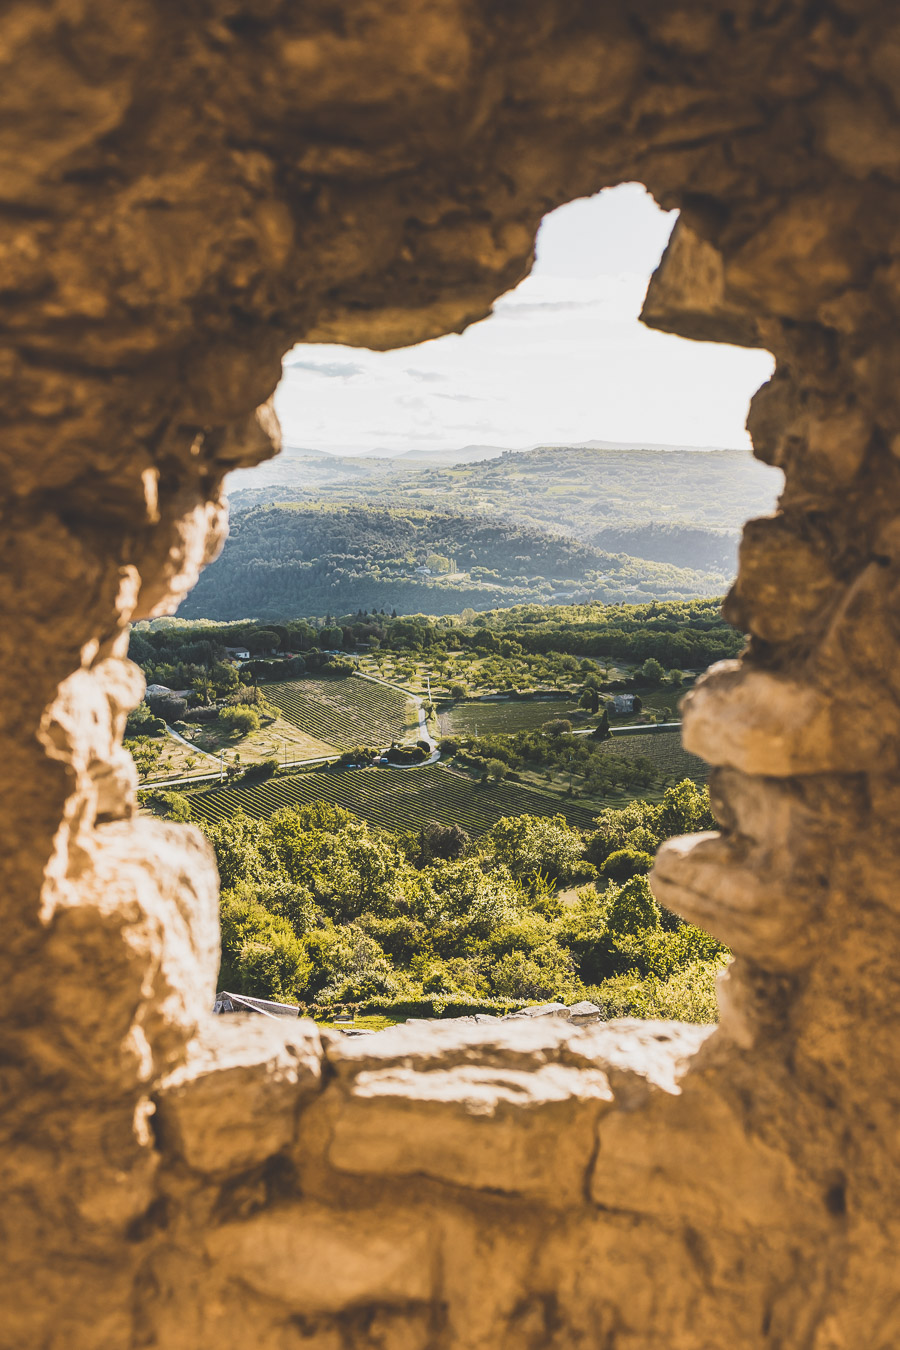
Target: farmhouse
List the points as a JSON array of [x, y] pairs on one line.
[[238, 653], [623, 703]]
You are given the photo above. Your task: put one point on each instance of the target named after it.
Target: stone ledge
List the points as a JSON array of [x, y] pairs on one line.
[[510, 1108], [648, 1050]]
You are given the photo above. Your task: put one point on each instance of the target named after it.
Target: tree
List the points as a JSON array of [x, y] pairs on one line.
[[442, 841], [169, 708], [142, 722], [145, 754], [240, 721], [546, 972], [530, 844], [685, 809], [171, 805], [261, 954], [590, 699], [225, 679], [632, 908], [652, 671], [261, 640], [457, 690], [204, 688], [245, 850], [601, 731], [496, 770]]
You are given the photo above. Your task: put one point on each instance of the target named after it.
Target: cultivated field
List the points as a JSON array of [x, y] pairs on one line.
[[663, 700], [344, 711], [503, 719], [395, 799], [671, 762]]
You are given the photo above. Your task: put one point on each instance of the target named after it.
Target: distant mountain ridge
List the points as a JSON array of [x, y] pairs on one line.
[[468, 454]]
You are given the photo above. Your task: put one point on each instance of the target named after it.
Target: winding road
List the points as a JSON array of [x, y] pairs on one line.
[[424, 733]]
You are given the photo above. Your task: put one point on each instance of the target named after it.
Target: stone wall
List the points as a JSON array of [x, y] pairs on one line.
[[185, 191]]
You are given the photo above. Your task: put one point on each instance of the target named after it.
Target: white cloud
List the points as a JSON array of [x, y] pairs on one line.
[[562, 358], [331, 369]]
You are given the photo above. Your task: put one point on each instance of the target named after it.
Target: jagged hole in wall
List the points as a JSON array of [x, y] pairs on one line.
[[562, 360]]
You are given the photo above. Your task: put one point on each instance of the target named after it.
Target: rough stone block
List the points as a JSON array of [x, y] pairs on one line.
[[772, 723], [641, 1058], [235, 1101], [317, 1259], [687, 295], [483, 1107], [528, 1132], [547, 1010], [737, 1181]]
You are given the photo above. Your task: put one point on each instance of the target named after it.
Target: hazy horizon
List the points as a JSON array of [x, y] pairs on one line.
[[382, 452]]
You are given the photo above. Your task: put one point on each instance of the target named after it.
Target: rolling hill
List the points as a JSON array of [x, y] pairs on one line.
[[678, 506], [290, 560]]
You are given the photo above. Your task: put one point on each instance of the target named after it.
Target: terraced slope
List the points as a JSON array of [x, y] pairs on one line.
[[395, 799], [345, 710]]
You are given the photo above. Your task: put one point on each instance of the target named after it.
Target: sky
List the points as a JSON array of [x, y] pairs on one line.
[[561, 359]]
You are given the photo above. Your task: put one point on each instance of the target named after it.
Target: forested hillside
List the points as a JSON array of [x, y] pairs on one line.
[[289, 560], [680, 506]]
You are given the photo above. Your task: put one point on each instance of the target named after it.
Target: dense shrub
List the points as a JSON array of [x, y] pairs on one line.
[[259, 772], [406, 754], [240, 721], [202, 715], [142, 722], [169, 805], [626, 863], [169, 708]]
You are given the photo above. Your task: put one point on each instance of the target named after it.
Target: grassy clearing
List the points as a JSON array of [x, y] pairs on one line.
[[394, 799], [279, 739], [344, 711], [177, 761], [375, 1022]]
